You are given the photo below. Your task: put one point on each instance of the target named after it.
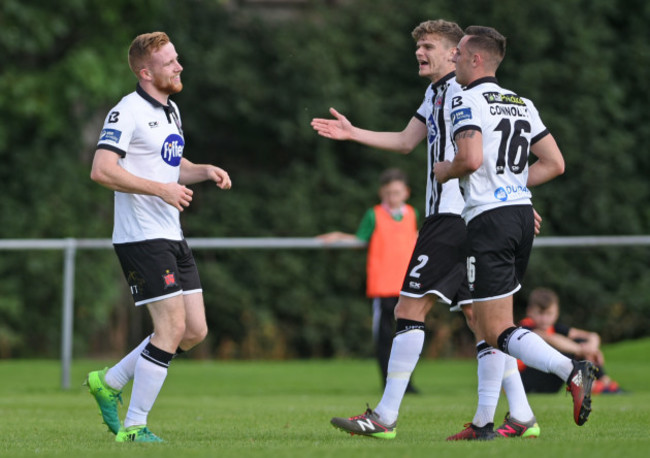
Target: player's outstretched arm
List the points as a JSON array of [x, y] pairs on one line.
[[337, 236], [336, 129], [342, 129]]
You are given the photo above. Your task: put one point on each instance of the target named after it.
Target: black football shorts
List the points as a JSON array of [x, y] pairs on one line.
[[158, 269], [500, 241], [438, 262]]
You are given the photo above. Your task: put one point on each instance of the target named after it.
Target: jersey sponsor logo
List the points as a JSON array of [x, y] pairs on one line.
[[501, 194], [172, 150], [415, 284], [110, 135], [432, 129], [504, 194], [504, 99], [463, 114], [153, 124]]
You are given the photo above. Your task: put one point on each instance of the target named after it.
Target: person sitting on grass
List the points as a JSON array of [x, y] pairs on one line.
[[542, 315]]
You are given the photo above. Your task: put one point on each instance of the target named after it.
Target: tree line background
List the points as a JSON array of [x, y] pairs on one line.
[[253, 81]]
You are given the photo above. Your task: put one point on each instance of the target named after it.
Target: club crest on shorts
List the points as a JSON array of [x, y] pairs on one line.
[[169, 279]]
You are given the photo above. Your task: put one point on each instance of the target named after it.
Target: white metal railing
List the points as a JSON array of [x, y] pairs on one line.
[[69, 246]]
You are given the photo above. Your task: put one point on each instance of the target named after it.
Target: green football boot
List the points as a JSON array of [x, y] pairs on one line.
[[136, 434], [106, 398]]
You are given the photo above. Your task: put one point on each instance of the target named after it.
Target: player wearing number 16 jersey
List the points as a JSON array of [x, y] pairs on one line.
[[494, 131], [509, 124], [437, 267]]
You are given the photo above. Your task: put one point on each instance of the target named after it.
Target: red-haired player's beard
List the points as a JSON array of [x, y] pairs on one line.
[[167, 85]]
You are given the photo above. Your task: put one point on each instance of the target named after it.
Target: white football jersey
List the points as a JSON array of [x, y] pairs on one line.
[[149, 138], [441, 198], [509, 124]]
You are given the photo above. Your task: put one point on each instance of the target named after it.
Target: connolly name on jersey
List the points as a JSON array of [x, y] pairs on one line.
[[506, 104]]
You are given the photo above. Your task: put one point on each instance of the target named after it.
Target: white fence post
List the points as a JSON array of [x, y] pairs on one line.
[[68, 311]]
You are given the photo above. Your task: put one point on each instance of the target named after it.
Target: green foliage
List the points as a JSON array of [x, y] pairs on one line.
[[252, 85]]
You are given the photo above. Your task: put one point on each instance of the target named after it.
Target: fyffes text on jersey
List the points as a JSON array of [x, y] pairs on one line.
[[172, 150]]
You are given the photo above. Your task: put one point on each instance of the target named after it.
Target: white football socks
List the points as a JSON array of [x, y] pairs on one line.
[[404, 356], [122, 373], [514, 389], [490, 374], [148, 381], [150, 374], [535, 352]]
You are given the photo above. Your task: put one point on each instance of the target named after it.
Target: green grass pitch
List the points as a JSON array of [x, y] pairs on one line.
[[282, 409]]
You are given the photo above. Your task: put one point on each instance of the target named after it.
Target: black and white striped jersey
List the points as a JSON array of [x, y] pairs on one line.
[[434, 112]]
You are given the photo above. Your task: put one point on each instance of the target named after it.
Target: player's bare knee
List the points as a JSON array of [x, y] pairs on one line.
[[175, 331], [195, 336], [413, 308], [469, 318]]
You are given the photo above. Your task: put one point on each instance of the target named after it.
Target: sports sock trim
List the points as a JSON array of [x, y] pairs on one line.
[[504, 338], [404, 325], [157, 356]]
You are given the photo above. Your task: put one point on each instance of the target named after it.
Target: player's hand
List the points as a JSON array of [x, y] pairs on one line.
[[328, 238], [441, 171], [220, 176], [538, 222], [592, 352], [177, 195], [336, 129]]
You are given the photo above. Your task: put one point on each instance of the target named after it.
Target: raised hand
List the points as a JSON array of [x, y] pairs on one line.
[[336, 129]]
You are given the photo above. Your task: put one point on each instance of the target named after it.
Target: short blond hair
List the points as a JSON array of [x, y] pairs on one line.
[[449, 31], [142, 47]]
